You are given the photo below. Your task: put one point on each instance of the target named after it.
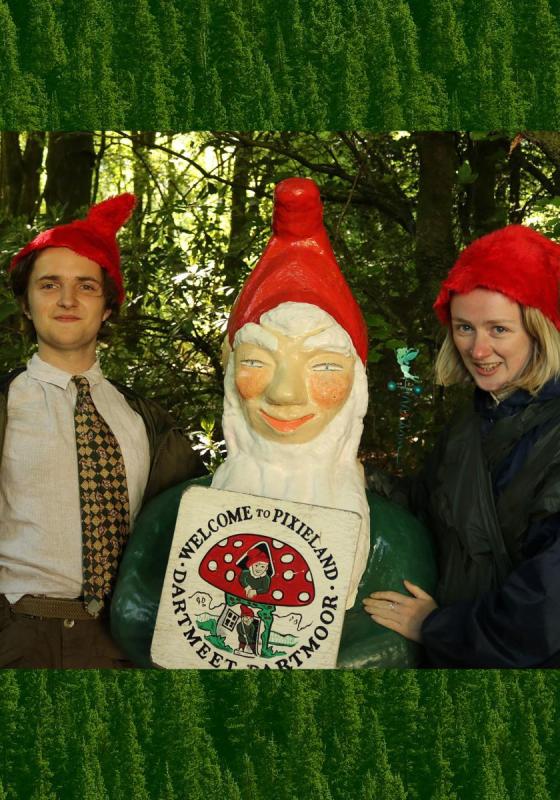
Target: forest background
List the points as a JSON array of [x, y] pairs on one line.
[[398, 207], [483, 79]]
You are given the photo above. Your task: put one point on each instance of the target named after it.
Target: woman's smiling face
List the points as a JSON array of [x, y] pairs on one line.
[[489, 334]]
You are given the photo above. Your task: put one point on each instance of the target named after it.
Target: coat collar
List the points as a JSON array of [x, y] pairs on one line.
[[485, 404]]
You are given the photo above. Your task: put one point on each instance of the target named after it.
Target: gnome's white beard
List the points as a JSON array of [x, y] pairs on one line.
[[324, 471]]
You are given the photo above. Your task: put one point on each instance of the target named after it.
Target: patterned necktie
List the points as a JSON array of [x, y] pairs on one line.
[[103, 498]]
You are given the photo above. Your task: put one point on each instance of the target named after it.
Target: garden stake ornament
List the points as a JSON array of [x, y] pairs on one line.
[[408, 385]]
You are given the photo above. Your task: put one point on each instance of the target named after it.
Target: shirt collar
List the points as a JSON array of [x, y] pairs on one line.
[[41, 371]]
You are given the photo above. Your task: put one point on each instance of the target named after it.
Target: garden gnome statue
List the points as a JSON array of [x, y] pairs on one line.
[[295, 398]]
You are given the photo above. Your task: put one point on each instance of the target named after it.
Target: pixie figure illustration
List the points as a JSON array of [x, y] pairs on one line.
[[247, 629], [254, 576]]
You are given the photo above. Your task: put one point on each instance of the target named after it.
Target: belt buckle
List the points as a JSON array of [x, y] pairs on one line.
[[94, 607]]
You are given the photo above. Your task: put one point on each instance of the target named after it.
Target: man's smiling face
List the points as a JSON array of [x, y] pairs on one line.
[[291, 387], [66, 302]]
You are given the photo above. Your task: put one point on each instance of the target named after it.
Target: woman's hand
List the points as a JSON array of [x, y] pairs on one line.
[[399, 612]]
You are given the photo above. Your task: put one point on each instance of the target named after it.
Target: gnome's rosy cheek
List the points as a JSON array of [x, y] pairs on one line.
[[330, 390], [251, 382]]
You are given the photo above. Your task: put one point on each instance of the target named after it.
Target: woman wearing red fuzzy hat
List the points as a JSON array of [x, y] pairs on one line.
[[79, 455], [490, 491]]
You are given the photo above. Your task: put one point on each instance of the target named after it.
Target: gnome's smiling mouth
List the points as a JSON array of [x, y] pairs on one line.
[[285, 425]]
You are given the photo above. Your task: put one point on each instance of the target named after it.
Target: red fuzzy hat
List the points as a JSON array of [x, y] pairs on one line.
[[247, 612], [516, 261], [93, 237], [298, 265]]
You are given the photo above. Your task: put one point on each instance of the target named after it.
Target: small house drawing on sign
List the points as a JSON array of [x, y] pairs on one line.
[[256, 574]]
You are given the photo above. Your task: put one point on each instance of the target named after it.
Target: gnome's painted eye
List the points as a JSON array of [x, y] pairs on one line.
[[253, 362], [327, 366]]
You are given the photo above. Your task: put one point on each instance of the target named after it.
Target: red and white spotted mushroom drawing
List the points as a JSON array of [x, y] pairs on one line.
[[261, 572]]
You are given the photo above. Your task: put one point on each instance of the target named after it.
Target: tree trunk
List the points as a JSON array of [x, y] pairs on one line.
[[70, 164], [435, 244], [143, 179], [20, 174], [11, 174], [515, 214], [548, 141], [234, 264], [31, 189], [488, 211], [144, 183]]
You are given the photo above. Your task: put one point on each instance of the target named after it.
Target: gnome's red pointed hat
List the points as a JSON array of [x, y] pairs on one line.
[[93, 237], [299, 266], [516, 261]]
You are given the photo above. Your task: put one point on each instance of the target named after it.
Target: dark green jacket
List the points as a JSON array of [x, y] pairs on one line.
[[172, 458]]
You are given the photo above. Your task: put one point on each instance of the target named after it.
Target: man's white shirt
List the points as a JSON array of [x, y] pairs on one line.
[[40, 523]]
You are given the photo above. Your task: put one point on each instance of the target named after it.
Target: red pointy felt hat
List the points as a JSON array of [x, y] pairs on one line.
[[299, 266], [93, 237], [516, 261]]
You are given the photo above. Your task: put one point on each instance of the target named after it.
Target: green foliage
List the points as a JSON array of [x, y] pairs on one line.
[[141, 70], [434, 64], [445, 53], [90, 775], [536, 51], [352, 102], [193, 241], [16, 95], [45, 50], [166, 792], [384, 108], [88, 89], [490, 92], [184, 714]]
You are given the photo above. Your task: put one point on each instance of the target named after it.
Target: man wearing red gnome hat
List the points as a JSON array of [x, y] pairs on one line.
[[295, 397], [79, 456]]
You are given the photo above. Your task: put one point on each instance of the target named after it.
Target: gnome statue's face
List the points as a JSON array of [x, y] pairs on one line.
[[290, 387]]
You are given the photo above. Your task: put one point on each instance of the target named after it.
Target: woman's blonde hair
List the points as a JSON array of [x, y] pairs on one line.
[[543, 365]]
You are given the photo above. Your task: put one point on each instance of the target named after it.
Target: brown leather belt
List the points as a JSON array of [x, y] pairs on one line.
[[51, 608]]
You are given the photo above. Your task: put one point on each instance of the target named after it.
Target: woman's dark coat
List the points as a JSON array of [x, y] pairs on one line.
[[490, 493]]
